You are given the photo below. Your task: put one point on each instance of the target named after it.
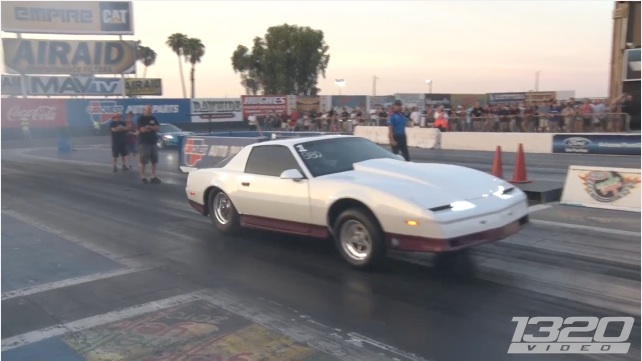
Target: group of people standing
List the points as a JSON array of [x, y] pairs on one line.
[[129, 139]]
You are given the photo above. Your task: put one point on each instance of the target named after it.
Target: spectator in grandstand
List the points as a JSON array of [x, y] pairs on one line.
[[569, 115], [631, 107], [555, 112], [543, 111], [415, 117], [252, 122], [599, 108], [441, 119], [585, 110]]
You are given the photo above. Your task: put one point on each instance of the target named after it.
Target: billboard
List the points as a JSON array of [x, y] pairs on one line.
[[68, 17], [259, 105], [11, 85], [98, 112], [611, 144], [71, 85], [411, 100], [316, 103], [35, 113], [506, 98], [436, 99], [605, 188], [25, 56], [218, 110], [467, 100], [349, 101], [136, 86], [631, 65]]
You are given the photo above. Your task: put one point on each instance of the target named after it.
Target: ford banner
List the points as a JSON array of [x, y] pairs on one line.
[[610, 144]]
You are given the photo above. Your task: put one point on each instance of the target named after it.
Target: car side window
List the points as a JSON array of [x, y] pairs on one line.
[[270, 160]]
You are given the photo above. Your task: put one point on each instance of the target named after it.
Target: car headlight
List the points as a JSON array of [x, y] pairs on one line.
[[168, 136], [454, 207]]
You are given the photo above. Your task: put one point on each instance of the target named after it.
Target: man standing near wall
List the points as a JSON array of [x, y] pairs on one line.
[[148, 127], [397, 132]]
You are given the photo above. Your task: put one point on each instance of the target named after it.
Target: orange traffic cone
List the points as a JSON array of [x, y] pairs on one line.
[[519, 175], [498, 169]]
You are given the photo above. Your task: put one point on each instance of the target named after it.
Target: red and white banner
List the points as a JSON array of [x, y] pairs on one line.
[[35, 113], [260, 105]]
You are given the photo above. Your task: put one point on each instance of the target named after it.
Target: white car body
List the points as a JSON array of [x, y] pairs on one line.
[[419, 206]]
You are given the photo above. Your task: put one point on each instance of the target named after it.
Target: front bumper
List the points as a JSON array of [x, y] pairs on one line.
[[406, 243]]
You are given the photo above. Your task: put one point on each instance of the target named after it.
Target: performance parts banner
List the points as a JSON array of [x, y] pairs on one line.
[[216, 110]]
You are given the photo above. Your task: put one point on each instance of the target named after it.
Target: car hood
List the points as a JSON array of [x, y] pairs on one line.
[[426, 184]]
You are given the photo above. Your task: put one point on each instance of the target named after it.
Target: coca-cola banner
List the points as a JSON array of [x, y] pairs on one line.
[[35, 113], [265, 104]]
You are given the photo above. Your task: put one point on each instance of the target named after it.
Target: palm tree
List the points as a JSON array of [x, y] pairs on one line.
[[194, 51], [177, 43], [147, 56]]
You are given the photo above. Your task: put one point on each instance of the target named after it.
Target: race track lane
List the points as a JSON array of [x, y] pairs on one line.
[[408, 306]]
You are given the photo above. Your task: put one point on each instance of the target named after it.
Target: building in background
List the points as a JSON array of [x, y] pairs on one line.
[[625, 53]]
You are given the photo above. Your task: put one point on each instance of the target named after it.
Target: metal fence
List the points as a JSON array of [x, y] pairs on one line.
[[605, 122]]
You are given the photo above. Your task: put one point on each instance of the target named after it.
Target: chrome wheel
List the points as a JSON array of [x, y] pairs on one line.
[[355, 240], [222, 208]]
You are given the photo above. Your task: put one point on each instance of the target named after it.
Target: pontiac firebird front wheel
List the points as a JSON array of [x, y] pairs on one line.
[[223, 213], [359, 238]]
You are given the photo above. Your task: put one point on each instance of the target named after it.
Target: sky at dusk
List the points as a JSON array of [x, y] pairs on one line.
[[462, 46]]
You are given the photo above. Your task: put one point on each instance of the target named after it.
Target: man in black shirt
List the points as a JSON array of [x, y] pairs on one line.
[[148, 127], [118, 141]]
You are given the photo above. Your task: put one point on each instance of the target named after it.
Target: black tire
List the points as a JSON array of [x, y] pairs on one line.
[[233, 225], [365, 221]]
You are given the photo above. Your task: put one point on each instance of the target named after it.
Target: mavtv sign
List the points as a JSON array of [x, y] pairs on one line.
[[70, 85]]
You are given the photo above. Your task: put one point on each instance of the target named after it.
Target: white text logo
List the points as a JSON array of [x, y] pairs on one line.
[[553, 335]]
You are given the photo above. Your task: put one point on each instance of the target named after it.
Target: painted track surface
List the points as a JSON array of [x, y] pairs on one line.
[[410, 309]]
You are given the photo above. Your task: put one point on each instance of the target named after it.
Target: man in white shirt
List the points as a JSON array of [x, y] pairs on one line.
[[415, 117], [252, 122]]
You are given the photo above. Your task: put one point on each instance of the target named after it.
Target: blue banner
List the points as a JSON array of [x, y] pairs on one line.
[[97, 113], [611, 144]]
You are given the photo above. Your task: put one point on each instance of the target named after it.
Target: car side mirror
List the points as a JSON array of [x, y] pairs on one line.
[[292, 174]]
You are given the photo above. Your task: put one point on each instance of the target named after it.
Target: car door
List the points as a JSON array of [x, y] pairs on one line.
[[262, 196]]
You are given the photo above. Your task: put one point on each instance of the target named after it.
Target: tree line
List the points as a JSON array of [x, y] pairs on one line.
[[288, 59]]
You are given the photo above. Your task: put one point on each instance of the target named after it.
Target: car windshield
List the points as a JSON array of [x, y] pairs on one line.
[[329, 156], [169, 128]]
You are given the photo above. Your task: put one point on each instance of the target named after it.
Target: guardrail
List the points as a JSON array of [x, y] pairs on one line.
[[532, 123]]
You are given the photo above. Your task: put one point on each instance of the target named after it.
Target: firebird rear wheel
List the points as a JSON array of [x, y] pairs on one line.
[[223, 213], [359, 238]]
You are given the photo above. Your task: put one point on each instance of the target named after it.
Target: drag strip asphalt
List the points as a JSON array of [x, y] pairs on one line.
[[87, 252]]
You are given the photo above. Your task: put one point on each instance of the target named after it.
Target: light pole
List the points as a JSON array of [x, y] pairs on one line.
[[537, 73], [429, 82], [374, 85], [339, 83]]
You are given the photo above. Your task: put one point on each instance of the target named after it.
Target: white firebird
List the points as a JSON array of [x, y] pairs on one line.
[[360, 194]]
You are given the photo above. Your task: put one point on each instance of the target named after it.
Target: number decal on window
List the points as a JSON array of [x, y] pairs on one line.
[[311, 155]]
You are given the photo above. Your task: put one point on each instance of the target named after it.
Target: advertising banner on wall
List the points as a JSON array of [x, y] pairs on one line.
[[611, 144], [137, 86], [318, 104], [98, 112], [411, 100], [68, 17], [631, 65], [506, 98], [34, 113], [76, 57], [71, 85], [217, 109], [11, 85], [436, 100], [467, 100], [260, 105], [380, 102], [599, 187], [349, 101]]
